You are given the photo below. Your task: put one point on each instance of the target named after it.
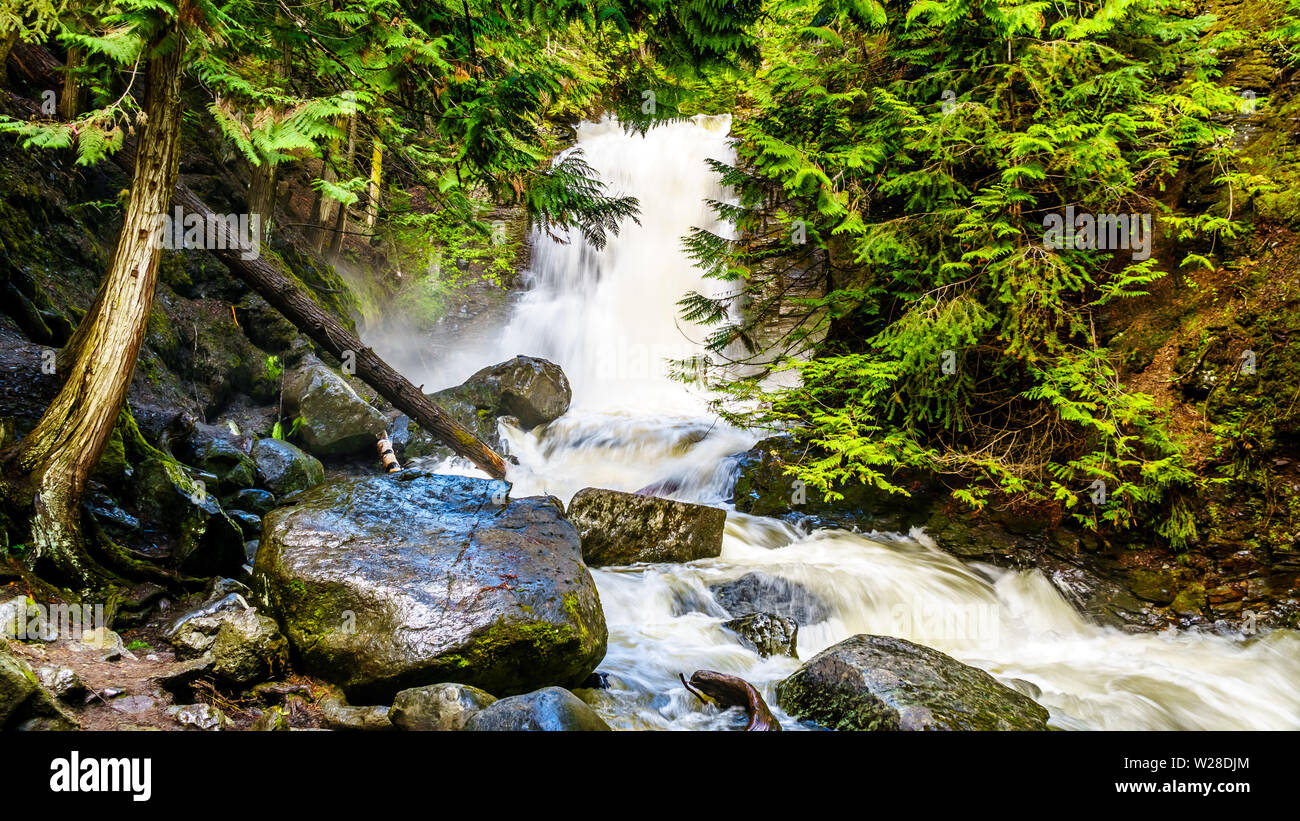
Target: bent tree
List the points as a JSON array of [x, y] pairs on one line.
[[64, 447]]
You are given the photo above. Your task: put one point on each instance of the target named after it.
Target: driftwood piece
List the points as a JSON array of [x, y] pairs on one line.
[[36, 64], [386, 456], [730, 691]]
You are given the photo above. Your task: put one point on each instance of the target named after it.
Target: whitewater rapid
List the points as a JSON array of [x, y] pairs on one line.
[[609, 319]]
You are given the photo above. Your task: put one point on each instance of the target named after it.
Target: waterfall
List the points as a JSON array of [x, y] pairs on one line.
[[609, 318]]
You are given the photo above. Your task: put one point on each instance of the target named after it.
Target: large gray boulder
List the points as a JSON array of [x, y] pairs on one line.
[[534, 391], [552, 709], [389, 582], [623, 528], [886, 683], [335, 420], [528, 390]]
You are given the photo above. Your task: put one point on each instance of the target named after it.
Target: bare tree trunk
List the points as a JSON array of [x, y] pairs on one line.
[[261, 194], [341, 219], [376, 175], [67, 442], [7, 41], [69, 101]]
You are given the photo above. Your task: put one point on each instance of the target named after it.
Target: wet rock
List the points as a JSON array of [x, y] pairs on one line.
[[761, 593], [389, 582], [438, 707], [250, 550], [245, 647], [110, 515], [248, 648], [767, 634], [24, 704], [335, 420], [254, 500], [885, 683], [209, 542], [337, 714], [549, 709], [525, 391], [199, 717], [284, 468], [534, 391], [624, 528], [250, 524], [220, 451], [273, 719], [62, 682]]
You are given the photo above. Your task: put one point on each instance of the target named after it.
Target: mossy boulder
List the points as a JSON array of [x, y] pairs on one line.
[[218, 450], [283, 467], [534, 391], [208, 542], [526, 390], [24, 704], [767, 634], [623, 528], [384, 583], [335, 420], [438, 707], [886, 683]]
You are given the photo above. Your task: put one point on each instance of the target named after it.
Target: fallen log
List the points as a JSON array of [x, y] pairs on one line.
[[730, 691], [278, 289]]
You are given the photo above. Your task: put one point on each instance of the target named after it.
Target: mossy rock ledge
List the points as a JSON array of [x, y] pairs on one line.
[[886, 683], [384, 583]]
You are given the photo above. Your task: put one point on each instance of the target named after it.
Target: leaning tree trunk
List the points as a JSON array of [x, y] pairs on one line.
[[299, 308], [67, 442]]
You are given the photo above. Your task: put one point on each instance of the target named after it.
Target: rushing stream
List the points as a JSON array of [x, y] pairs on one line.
[[609, 319]]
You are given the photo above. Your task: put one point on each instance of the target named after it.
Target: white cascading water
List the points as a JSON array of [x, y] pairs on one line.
[[609, 319]]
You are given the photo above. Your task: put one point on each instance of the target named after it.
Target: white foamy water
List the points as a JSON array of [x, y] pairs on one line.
[[609, 318]]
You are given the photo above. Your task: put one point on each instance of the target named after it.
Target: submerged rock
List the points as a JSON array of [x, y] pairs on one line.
[[438, 707], [283, 467], [389, 582], [335, 420], [549, 709], [886, 683], [767, 633], [757, 592], [623, 528]]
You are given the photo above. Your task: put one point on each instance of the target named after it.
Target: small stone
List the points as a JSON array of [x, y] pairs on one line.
[[437, 707], [61, 682], [199, 717]]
